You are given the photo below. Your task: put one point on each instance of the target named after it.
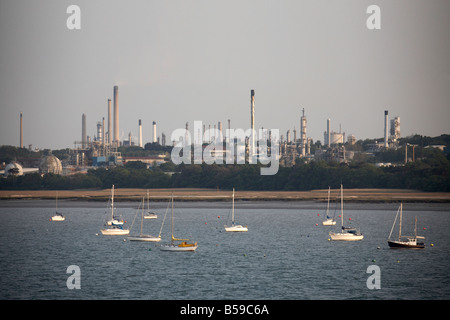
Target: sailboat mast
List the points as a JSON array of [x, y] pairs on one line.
[[112, 202], [415, 228], [342, 207], [400, 227], [232, 210], [142, 214], [172, 219], [328, 205]]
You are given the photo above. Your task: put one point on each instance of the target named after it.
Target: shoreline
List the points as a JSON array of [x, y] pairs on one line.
[[192, 194]]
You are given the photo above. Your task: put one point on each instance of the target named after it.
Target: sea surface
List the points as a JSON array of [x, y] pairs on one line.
[[285, 255]]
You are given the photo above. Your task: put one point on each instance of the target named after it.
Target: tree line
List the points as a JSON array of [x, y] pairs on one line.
[[431, 173]]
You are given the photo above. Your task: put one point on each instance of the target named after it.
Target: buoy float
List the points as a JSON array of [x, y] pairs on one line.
[[373, 260], [316, 224], [431, 245], [218, 217], [318, 214], [349, 218]]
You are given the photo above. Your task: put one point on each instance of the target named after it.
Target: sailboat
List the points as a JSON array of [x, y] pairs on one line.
[[235, 227], [329, 221], [348, 233], [149, 214], [141, 236], [114, 221], [115, 229], [181, 247], [409, 241], [58, 216]]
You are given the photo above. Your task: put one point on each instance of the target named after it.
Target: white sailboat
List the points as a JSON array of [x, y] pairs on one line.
[[328, 221], [149, 214], [409, 242], [347, 234], [115, 229], [141, 236], [235, 227], [58, 216], [184, 246]]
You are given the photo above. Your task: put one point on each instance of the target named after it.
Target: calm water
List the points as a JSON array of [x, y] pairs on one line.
[[283, 256]]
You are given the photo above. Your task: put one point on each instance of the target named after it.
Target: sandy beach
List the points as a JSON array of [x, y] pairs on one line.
[[352, 195]]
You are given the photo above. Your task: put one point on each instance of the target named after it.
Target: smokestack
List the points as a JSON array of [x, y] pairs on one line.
[[21, 131], [219, 127], [303, 133], [154, 132], [140, 133], [116, 116], [83, 131], [103, 129], [328, 133], [385, 128], [99, 131], [109, 123], [252, 121]]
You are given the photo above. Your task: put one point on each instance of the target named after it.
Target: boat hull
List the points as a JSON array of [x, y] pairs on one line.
[[115, 232], [329, 222], [114, 223], [151, 216], [58, 218], [238, 228], [404, 245], [346, 237], [144, 238], [174, 248]]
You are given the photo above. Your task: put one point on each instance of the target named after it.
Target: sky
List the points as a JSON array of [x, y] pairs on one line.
[[179, 61]]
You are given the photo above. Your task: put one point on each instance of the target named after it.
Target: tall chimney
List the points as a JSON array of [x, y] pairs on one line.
[[116, 116], [140, 133], [219, 127], [99, 131], [109, 123], [385, 128], [21, 131], [328, 133], [154, 132], [103, 129], [303, 133], [252, 122], [83, 131]]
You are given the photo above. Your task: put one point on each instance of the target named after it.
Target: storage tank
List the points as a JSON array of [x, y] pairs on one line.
[[13, 169], [50, 164]]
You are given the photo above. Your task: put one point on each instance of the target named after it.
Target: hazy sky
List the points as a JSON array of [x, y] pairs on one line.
[[186, 60]]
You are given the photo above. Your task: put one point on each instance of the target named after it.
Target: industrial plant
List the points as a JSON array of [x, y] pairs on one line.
[[102, 149]]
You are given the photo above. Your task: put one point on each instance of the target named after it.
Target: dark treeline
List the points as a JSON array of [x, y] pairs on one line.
[[431, 173]]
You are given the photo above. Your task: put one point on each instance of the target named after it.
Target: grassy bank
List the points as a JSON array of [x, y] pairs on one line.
[[189, 194]]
